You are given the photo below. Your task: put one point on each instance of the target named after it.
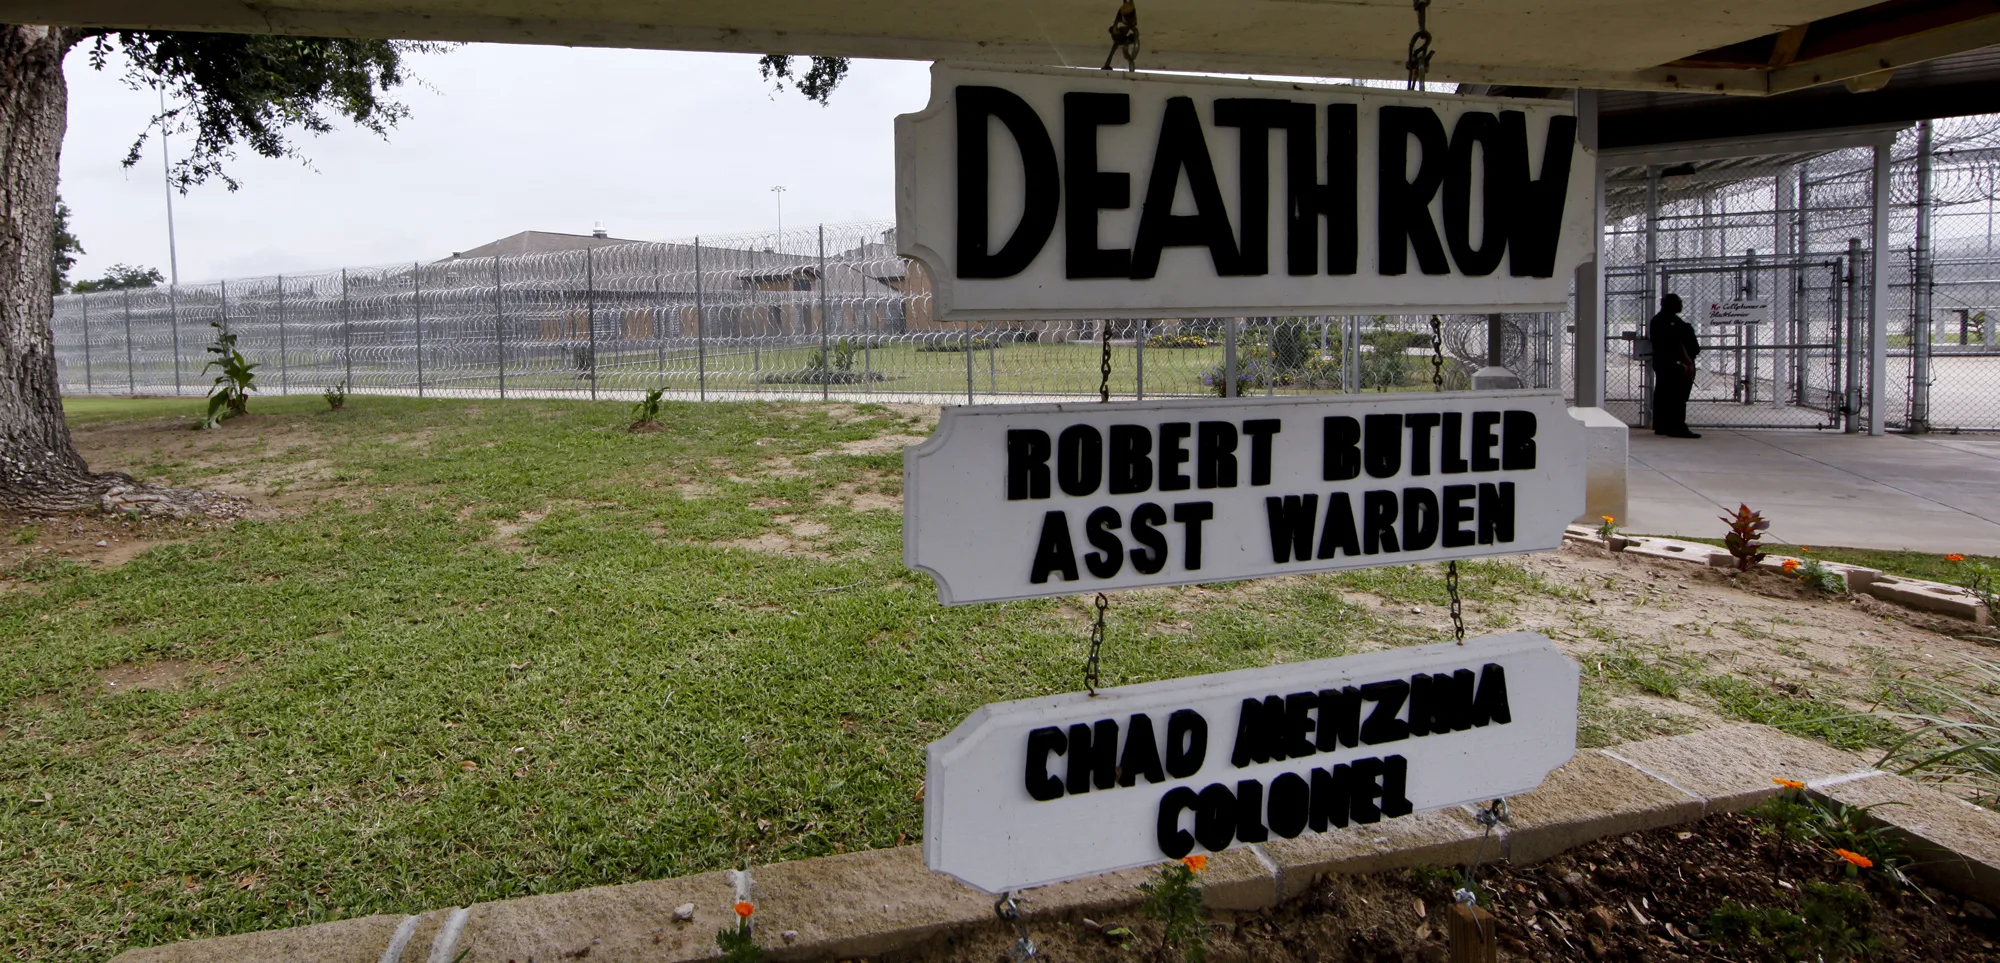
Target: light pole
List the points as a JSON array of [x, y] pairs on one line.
[[167, 177], [780, 191]]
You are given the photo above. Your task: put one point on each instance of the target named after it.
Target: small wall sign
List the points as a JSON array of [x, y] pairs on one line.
[[1027, 501], [1044, 790], [1064, 193], [1736, 314]]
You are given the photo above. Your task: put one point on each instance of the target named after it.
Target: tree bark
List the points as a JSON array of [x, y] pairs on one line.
[[40, 469]]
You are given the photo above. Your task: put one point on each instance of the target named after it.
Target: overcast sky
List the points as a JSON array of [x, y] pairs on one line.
[[500, 139]]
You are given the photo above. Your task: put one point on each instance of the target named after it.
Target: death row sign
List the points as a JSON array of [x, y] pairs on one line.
[[1025, 501], [1053, 192], [1037, 791]]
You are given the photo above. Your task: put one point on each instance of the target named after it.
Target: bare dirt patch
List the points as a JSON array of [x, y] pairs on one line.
[[772, 543], [507, 532], [101, 542], [161, 676], [878, 445]]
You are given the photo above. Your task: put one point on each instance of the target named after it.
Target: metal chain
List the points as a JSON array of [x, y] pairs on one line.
[[1419, 61], [1125, 36], [1009, 912], [1451, 569], [1096, 643], [1104, 368]]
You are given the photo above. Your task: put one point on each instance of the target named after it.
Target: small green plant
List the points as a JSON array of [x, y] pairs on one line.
[[1174, 898], [1608, 528], [844, 353], [231, 394], [1815, 576], [1830, 926], [1958, 742], [26, 534], [1746, 527], [336, 396], [1848, 833], [740, 944], [1979, 579], [647, 412]]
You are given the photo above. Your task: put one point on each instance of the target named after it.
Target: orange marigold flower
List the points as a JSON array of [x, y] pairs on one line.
[[1954, 557], [1791, 565], [1196, 863], [1856, 858], [1607, 519], [744, 909], [1788, 783]]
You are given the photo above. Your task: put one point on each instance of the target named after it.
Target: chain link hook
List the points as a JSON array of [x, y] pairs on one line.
[[1096, 643], [1010, 912], [1125, 36], [1419, 61]]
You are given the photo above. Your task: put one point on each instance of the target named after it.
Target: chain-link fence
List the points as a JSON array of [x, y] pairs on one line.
[[829, 313]]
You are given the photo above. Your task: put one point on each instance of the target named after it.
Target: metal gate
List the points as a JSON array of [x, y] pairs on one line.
[[1778, 338]]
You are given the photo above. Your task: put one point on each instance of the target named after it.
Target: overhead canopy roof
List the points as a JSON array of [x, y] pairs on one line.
[[1730, 46]]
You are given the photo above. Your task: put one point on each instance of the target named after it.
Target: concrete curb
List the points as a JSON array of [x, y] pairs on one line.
[[867, 903], [1936, 598]]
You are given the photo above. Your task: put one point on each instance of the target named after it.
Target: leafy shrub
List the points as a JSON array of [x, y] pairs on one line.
[[1173, 898], [1179, 340], [230, 396], [336, 396], [1289, 346], [1745, 528], [1830, 926], [956, 344], [647, 411]]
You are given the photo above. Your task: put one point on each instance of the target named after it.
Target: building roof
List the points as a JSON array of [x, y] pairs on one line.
[[541, 242]]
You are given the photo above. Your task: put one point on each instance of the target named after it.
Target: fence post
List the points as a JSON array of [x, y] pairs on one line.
[[500, 327], [1921, 291], [417, 309], [1139, 369], [590, 311], [825, 368], [660, 312], [131, 373], [993, 357], [1229, 359], [174, 326], [700, 331], [968, 362], [89, 386], [346, 334], [284, 373], [1850, 352]]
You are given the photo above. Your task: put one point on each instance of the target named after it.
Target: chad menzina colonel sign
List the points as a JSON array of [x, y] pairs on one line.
[[1044, 790], [1085, 194], [1024, 501]]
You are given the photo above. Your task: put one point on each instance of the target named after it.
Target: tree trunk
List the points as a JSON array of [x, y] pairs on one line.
[[40, 470]]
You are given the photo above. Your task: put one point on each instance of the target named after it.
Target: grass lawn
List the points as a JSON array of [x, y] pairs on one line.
[[1925, 565], [497, 649]]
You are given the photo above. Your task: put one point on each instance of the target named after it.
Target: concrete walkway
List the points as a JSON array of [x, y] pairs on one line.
[[1926, 493]]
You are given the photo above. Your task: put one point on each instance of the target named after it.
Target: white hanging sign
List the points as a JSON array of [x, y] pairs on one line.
[[1736, 314], [1026, 501], [1065, 193], [1061, 787]]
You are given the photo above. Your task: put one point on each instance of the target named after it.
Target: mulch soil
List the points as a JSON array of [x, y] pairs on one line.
[[1641, 897]]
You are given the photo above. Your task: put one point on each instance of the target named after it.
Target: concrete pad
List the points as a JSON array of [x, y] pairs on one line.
[[1442, 838], [1856, 577], [1592, 797], [1952, 842], [1934, 597], [857, 904], [1236, 879], [343, 941], [1674, 549], [1733, 767], [629, 922]]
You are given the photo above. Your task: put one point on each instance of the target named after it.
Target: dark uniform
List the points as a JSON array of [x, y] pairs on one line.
[[1674, 351]]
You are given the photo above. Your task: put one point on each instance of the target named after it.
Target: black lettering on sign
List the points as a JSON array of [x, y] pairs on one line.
[[1215, 818], [1255, 118], [1182, 148], [1091, 190], [1485, 438], [1420, 519], [1042, 195], [1187, 743], [1027, 464], [1339, 533], [1176, 842], [1422, 704], [1260, 735], [1382, 725], [1215, 454], [1142, 752], [1456, 514], [1496, 512], [1093, 756], [1290, 797], [1054, 553], [1364, 790], [1259, 431], [1307, 199], [1110, 555], [1378, 522], [1330, 790], [1517, 441], [1131, 459], [1190, 515], [1174, 454], [1395, 777], [1292, 521], [1481, 130], [1421, 423], [1490, 705], [1383, 454], [1079, 460], [1152, 556], [1340, 458], [1538, 223], [1451, 444], [1250, 811], [1299, 724], [1043, 787], [1339, 719], [1403, 211]]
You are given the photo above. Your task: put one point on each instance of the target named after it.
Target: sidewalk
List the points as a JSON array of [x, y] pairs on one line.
[[1926, 493]]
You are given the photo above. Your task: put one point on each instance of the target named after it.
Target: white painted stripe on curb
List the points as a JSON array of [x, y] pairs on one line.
[[401, 941], [1691, 794], [1270, 866], [445, 946], [1831, 781]]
